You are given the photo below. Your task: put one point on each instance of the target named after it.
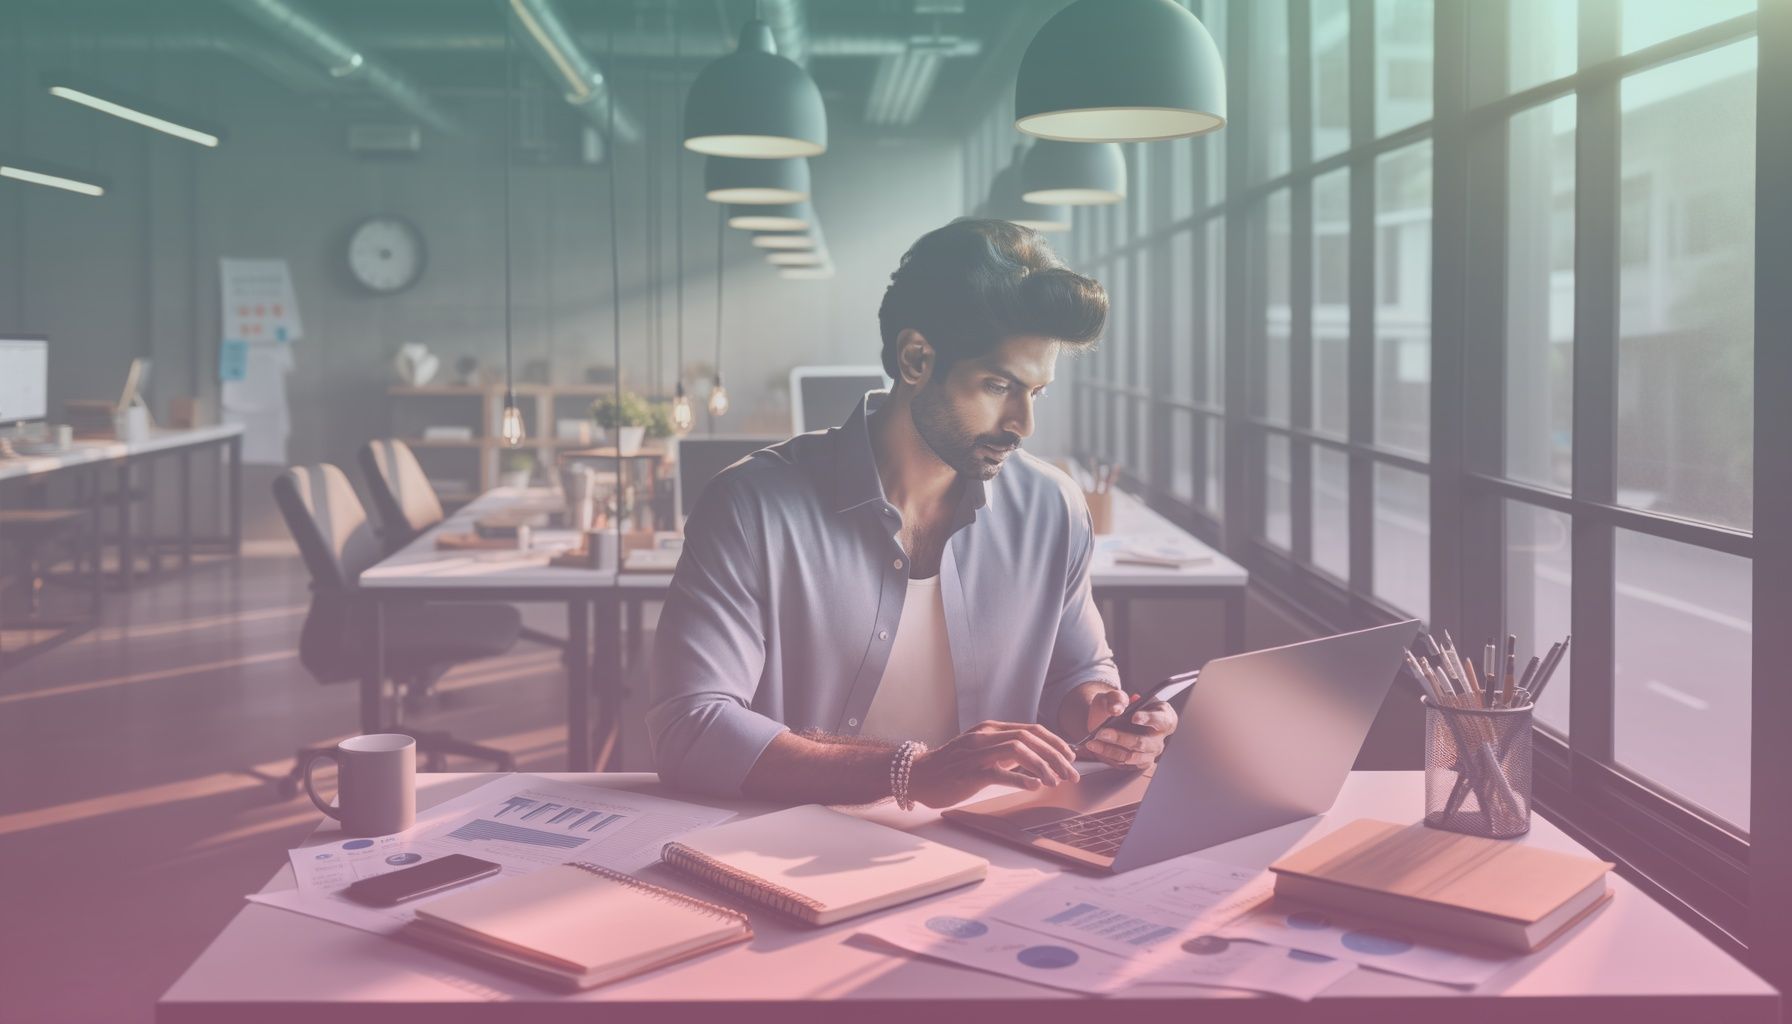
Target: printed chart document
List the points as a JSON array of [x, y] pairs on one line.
[[1096, 936], [1367, 942], [520, 822]]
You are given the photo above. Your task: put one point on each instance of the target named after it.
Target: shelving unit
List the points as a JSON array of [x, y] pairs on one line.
[[539, 404]]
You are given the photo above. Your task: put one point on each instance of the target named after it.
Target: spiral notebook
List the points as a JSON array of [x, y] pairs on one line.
[[821, 865], [575, 926]]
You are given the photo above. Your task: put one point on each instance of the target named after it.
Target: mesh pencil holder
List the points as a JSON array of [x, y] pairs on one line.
[[1478, 769]]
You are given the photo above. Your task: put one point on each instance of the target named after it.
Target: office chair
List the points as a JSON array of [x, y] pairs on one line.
[[403, 499], [407, 505], [422, 640]]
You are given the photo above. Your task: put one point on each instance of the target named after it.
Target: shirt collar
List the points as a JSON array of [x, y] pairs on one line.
[[856, 481]]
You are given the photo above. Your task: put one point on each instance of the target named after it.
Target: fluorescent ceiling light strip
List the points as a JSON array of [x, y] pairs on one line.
[[581, 89], [105, 106], [86, 188]]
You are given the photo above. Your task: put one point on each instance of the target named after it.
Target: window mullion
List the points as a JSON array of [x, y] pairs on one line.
[[1360, 350]]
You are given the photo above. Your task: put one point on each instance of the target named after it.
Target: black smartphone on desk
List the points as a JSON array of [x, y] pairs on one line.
[[1163, 689], [425, 879]]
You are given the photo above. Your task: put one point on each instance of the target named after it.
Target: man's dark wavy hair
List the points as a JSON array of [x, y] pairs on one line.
[[972, 283]]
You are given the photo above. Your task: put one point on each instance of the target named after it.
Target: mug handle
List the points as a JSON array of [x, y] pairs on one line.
[[311, 790]]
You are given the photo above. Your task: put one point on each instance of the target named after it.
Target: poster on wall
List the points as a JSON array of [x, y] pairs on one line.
[[260, 322]]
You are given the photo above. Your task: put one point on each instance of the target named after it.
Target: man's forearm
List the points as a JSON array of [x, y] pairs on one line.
[[814, 768]]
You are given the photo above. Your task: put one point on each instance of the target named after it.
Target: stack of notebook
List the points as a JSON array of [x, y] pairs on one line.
[[575, 926], [1499, 892]]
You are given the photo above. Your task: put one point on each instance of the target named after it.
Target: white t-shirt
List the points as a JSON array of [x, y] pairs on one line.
[[917, 699]]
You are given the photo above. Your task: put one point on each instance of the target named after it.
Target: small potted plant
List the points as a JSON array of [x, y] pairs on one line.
[[625, 421], [518, 469]]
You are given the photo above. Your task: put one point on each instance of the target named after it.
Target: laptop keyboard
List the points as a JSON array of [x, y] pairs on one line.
[[1097, 832]]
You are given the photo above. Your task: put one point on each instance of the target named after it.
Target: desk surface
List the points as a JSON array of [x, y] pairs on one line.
[[84, 452], [420, 565], [1632, 960]]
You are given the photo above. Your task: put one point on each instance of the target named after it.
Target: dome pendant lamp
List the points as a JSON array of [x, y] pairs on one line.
[[1006, 203], [781, 217], [753, 103], [1073, 173], [1121, 71], [755, 182]]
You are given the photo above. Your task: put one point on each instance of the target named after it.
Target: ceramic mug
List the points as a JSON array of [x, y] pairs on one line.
[[376, 783]]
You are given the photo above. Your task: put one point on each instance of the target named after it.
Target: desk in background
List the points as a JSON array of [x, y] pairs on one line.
[[1632, 962], [596, 601]]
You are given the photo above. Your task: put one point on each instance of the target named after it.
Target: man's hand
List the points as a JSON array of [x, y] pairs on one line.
[[1137, 743], [1023, 755]]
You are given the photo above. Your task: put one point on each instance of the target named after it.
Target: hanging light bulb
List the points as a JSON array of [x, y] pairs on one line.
[[511, 427], [683, 417], [718, 398]]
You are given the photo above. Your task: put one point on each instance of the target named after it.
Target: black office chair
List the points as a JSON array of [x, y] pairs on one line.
[[403, 499], [422, 641]]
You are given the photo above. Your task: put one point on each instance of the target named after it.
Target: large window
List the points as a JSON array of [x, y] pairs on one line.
[[1479, 353]]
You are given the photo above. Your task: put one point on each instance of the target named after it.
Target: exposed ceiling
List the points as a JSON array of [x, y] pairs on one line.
[[883, 66]]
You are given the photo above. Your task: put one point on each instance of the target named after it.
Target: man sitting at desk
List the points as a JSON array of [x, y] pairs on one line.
[[886, 581]]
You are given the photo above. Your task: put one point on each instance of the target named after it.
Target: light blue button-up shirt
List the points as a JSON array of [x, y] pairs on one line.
[[785, 602]]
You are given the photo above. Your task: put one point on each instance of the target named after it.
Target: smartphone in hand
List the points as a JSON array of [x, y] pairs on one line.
[[1163, 689]]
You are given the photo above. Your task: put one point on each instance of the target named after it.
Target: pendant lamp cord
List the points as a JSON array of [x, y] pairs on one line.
[[721, 234], [678, 190], [509, 102]]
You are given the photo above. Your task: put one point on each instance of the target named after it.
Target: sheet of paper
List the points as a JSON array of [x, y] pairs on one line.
[[984, 929], [1363, 941], [520, 822]]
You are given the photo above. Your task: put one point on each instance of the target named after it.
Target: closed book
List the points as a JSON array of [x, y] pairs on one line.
[[1500, 892], [575, 926], [820, 865]]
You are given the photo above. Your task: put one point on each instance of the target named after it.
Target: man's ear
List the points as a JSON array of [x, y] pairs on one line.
[[914, 357]]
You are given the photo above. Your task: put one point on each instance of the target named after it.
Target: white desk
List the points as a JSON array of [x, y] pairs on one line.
[[126, 456], [1632, 961], [421, 572]]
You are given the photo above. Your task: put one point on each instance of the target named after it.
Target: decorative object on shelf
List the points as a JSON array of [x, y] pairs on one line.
[[537, 371], [466, 370], [1073, 173], [414, 364], [577, 431], [754, 103], [386, 254], [447, 433], [519, 467], [625, 420], [1120, 71]]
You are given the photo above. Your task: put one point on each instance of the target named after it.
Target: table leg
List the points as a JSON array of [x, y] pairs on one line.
[[236, 494], [1235, 604], [186, 508], [578, 686], [373, 677], [127, 558], [608, 674]]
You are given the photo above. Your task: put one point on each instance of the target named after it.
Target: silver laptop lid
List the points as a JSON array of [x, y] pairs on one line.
[[1265, 738]]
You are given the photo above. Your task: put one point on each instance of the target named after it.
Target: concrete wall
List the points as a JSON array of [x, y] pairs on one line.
[[135, 272]]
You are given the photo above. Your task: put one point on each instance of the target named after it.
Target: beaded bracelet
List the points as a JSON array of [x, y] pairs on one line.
[[900, 767]]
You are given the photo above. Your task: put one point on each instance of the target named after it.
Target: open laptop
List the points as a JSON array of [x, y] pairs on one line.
[[1264, 739]]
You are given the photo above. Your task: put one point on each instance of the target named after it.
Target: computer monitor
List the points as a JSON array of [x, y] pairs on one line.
[[701, 458], [824, 396], [24, 378]]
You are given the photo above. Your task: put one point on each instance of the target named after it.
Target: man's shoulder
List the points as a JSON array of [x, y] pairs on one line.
[[774, 475], [1036, 486]]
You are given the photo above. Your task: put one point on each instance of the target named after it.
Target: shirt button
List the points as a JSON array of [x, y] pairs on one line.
[[883, 634], [853, 722], [890, 512], [898, 563]]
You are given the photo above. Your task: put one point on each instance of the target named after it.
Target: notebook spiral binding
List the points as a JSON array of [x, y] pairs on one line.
[[715, 910], [722, 876]]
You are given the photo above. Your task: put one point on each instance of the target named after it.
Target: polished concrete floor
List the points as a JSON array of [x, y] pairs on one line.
[[135, 803]]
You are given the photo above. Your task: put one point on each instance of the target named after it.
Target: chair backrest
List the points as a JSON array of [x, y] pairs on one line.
[[329, 524], [403, 499]]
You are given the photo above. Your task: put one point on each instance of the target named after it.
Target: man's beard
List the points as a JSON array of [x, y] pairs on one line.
[[953, 443]]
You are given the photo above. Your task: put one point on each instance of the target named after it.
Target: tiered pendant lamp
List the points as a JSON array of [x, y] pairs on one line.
[[778, 240], [1120, 71], [778, 217], [1073, 173], [728, 179], [1006, 202], [753, 103]]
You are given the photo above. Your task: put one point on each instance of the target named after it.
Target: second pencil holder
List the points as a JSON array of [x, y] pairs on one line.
[[1478, 769]]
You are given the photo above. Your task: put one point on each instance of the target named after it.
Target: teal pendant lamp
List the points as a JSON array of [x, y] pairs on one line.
[[755, 104], [777, 217], [729, 179], [1007, 203], [1073, 173], [1120, 71], [785, 240]]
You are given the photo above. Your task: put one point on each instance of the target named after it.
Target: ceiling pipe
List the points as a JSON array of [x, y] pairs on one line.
[[343, 60], [634, 43], [581, 82], [252, 52]]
